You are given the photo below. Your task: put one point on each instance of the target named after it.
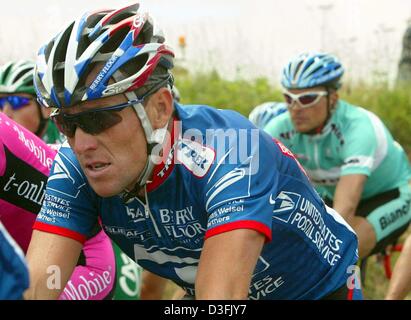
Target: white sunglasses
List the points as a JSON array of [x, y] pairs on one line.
[[304, 99]]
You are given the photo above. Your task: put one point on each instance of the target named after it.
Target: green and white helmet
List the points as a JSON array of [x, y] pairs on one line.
[[17, 77]]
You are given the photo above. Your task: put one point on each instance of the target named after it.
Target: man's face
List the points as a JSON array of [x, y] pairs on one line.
[[113, 159], [314, 115], [27, 115]]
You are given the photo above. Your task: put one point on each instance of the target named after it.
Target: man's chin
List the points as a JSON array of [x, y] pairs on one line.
[[104, 191], [302, 129]]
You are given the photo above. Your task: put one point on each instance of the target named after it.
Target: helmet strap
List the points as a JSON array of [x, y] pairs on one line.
[[153, 138], [42, 124], [330, 110]]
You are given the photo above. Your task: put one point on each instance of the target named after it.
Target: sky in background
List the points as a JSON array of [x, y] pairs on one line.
[[246, 38]]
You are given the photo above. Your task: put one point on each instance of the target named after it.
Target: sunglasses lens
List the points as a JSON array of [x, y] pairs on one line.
[[97, 122], [308, 98], [65, 125], [288, 99], [92, 122], [16, 102]]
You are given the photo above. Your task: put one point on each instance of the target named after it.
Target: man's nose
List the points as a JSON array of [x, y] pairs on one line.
[[83, 141], [7, 110]]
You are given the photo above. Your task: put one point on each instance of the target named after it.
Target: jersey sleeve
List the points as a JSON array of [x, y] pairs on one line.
[[238, 191], [359, 149], [69, 206], [2, 159]]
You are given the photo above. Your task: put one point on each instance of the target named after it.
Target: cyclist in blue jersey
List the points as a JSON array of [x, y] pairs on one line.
[[194, 194], [347, 151]]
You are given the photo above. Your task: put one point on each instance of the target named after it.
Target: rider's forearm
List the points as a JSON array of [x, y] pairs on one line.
[[51, 260], [222, 291], [348, 194], [227, 263], [152, 287], [38, 289], [400, 284], [346, 210]]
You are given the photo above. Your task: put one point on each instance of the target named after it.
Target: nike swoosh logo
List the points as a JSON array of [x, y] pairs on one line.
[[271, 200]]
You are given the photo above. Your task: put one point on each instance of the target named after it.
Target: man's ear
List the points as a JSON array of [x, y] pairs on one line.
[[160, 108]]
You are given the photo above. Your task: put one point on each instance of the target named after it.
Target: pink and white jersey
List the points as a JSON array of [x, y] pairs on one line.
[[25, 162]]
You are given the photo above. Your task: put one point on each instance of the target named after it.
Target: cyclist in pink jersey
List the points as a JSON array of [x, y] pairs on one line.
[[18, 102], [25, 162]]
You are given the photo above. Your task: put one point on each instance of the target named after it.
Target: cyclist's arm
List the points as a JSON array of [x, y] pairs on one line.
[[178, 294], [153, 286], [97, 275], [226, 264], [400, 284], [50, 272], [348, 194]]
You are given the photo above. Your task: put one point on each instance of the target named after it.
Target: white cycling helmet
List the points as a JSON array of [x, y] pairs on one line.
[[262, 114]]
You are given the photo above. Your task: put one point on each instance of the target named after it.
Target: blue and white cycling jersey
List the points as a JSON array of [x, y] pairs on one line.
[[219, 174], [14, 276]]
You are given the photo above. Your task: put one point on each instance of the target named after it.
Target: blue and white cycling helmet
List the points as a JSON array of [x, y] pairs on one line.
[[310, 70], [126, 45], [262, 114]]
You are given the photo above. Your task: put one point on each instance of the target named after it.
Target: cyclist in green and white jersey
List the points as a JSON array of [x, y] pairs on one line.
[[346, 150]]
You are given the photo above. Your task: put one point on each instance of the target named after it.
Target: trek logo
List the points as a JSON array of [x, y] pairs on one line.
[[195, 157], [284, 205], [168, 164]]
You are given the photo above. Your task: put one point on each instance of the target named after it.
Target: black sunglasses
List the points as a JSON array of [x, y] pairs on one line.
[[92, 121], [97, 120]]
